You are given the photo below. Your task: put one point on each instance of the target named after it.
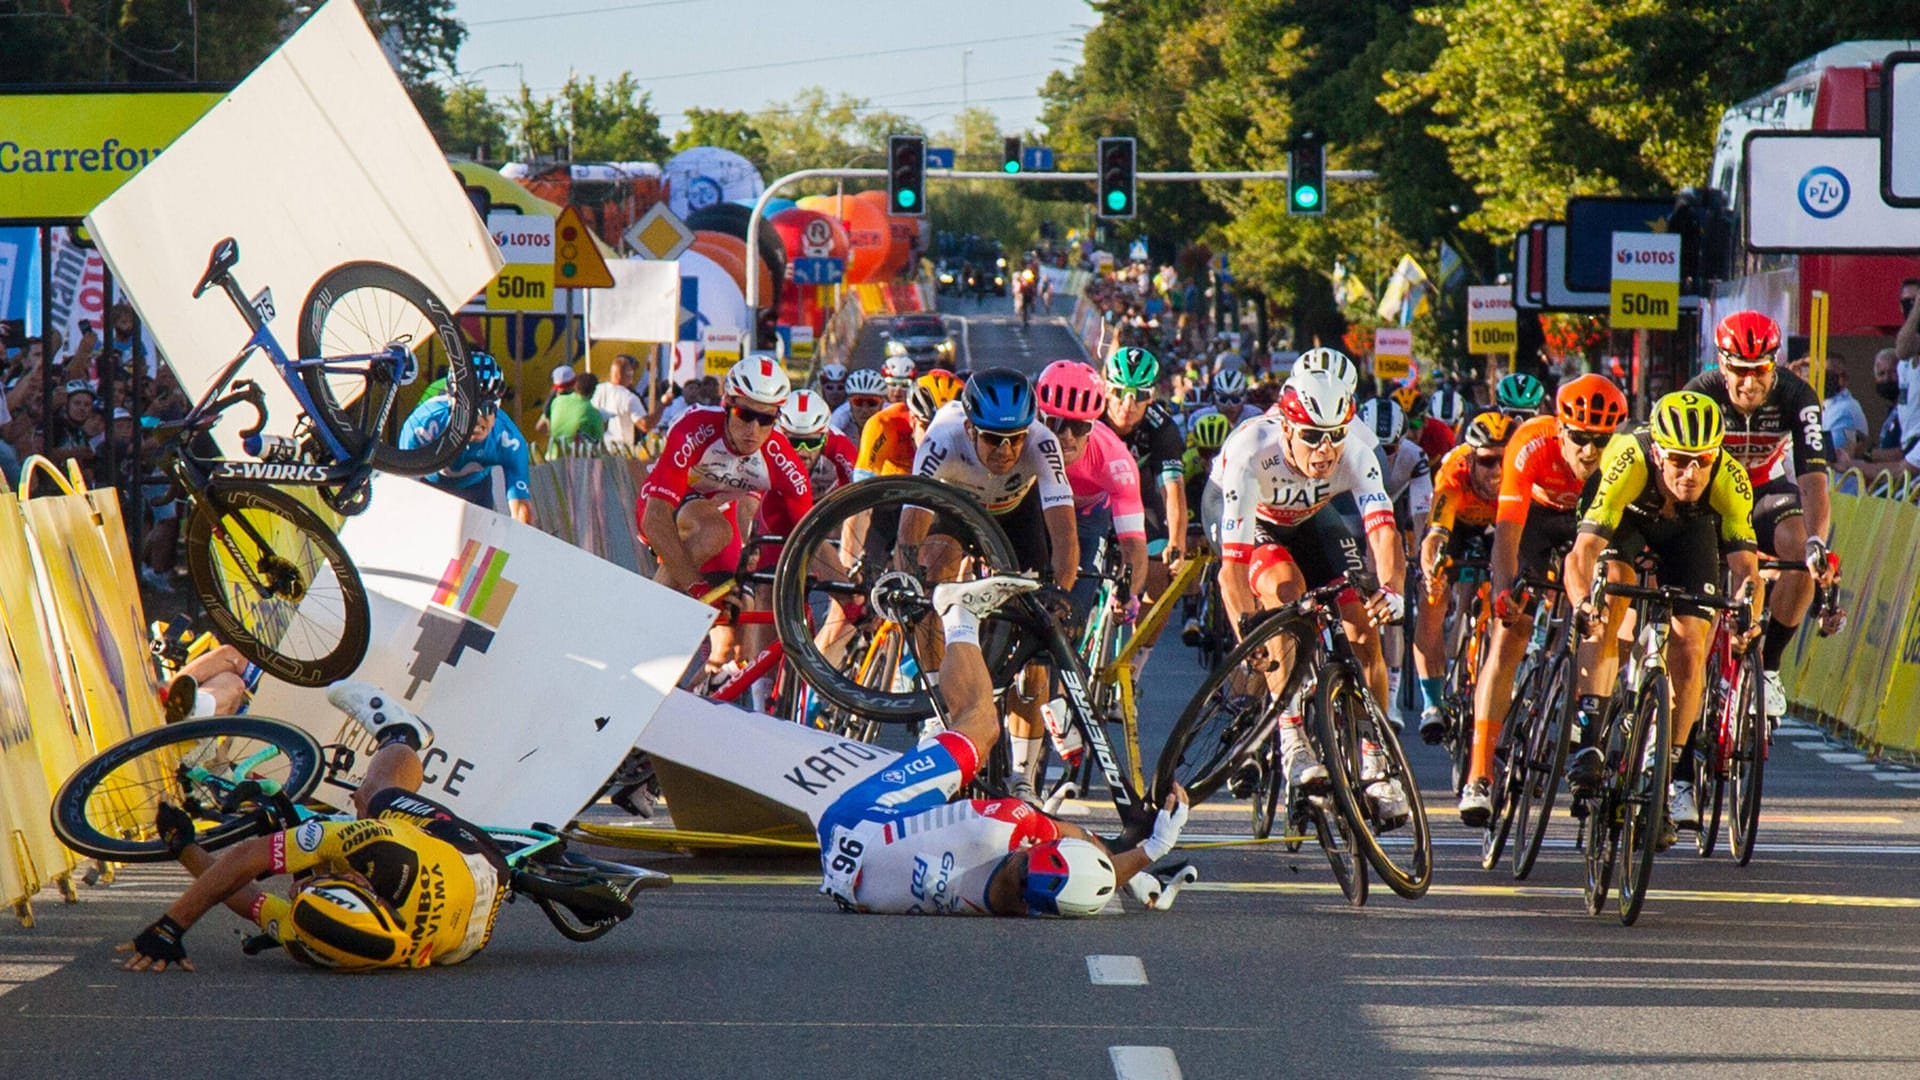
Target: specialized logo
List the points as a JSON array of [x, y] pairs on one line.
[[260, 470], [467, 608], [1824, 192]]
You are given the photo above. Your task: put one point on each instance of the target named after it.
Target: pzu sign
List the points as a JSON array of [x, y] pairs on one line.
[[1824, 192]]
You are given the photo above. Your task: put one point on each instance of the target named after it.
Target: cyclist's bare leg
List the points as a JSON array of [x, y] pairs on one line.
[[219, 673], [395, 765], [1599, 655], [1366, 645], [1279, 585], [1024, 724], [704, 531], [1686, 667], [1791, 595], [1429, 637], [1494, 692]]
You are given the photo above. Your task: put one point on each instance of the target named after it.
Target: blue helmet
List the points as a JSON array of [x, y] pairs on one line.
[[999, 400]]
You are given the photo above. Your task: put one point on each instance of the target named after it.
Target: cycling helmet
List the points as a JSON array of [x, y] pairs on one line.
[[1230, 383], [1210, 431], [1447, 406], [999, 400], [805, 415], [931, 391], [1590, 403], [897, 370], [1070, 877], [1747, 337], [488, 380], [1333, 362], [1132, 368], [896, 348], [1520, 393], [1387, 419], [1410, 400], [1488, 430], [758, 377], [1687, 422], [1316, 399], [833, 373], [1071, 389], [866, 383], [339, 923]]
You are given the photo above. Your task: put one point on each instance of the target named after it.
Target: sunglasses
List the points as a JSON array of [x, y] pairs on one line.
[[1486, 461], [862, 401], [1060, 425], [1588, 438], [1128, 394], [1229, 399], [1745, 371], [997, 439], [807, 444], [1320, 436], [750, 416], [1687, 462]]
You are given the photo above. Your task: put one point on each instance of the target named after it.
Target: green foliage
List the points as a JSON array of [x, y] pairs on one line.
[[615, 122], [819, 131], [472, 124], [724, 128]]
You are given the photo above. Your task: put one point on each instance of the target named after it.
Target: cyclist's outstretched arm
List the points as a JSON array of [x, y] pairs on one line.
[[198, 862], [222, 880]]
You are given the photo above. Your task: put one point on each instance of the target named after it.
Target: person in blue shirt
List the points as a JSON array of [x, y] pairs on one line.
[[496, 441]]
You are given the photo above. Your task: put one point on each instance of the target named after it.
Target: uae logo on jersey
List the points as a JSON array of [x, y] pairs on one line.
[[467, 607]]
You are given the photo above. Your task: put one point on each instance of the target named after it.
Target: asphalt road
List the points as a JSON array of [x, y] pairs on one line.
[[1802, 964]]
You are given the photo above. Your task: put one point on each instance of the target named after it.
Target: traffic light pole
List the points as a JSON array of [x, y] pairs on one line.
[[773, 190]]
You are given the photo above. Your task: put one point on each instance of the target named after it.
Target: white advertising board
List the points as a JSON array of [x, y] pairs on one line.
[[1900, 155], [1814, 193]]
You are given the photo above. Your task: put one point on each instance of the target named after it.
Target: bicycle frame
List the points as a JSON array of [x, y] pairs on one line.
[[1119, 670]]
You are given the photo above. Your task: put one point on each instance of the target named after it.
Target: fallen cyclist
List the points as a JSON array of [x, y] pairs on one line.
[[406, 884], [895, 844]]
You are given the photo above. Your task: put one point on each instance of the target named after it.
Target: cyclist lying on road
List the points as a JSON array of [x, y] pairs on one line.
[[408, 884], [894, 844]]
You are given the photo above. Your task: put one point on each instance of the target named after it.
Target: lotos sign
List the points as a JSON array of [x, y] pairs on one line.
[[1491, 324], [62, 154], [1646, 281]]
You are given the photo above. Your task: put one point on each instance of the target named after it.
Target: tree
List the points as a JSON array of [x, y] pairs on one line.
[[727, 129], [815, 131], [473, 124], [420, 37], [612, 123]]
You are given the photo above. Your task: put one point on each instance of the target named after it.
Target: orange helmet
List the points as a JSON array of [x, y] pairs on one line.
[[1747, 337], [1590, 403]]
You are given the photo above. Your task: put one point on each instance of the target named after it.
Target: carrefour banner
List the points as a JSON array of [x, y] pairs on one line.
[[61, 154]]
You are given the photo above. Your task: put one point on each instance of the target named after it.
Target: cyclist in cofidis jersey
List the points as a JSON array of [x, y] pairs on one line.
[[1672, 493], [496, 442], [1434, 436], [406, 884], [1466, 495], [828, 455], [1775, 430], [896, 844], [1548, 460]]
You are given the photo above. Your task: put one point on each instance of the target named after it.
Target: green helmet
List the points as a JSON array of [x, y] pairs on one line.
[[1210, 430], [1519, 392], [1132, 368]]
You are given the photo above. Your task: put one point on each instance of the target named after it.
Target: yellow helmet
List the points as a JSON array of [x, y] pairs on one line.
[[1687, 422], [1409, 399], [339, 923], [931, 392]]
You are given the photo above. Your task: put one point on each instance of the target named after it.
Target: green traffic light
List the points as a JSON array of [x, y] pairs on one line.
[[905, 198], [1116, 200], [1011, 167], [1307, 197]]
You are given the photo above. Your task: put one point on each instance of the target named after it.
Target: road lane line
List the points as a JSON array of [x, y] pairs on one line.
[[1107, 970], [1700, 896], [1144, 1063]]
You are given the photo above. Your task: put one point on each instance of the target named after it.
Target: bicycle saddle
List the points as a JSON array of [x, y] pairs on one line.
[[226, 254]]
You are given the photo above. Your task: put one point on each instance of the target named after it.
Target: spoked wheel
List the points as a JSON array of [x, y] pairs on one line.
[[1362, 752], [222, 770], [1544, 761], [355, 312], [801, 578], [1749, 760], [1510, 767], [1644, 807], [1265, 799], [277, 584], [1709, 779], [1235, 707], [1339, 840]]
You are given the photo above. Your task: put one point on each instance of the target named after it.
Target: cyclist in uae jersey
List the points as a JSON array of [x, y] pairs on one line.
[[406, 884], [1774, 427], [496, 443], [896, 844]]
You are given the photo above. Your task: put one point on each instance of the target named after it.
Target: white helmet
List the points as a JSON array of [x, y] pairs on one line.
[[896, 348], [1333, 362], [1230, 383], [1071, 877], [758, 377], [1447, 406], [1315, 399], [1386, 419], [898, 368], [833, 373], [805, 415], [866, 383]]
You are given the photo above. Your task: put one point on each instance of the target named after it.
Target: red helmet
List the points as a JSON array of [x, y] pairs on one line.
[[1590, 403], [1747, 337]]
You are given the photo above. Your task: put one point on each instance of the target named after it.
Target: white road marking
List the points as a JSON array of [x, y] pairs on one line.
[[1838, 757], [1107, 970], [1810, 745], [1144, 1063]]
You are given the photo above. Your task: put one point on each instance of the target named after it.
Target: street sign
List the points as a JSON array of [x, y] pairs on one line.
[[817, 236], [814, 270], [1036, 158], [722, 350], [1392, 353], [1811, 193], [1900, 156], [659, 234], [1492, 326], [576, 259], [1645, 292], [525, 283], [939, 157], [1137, 251]]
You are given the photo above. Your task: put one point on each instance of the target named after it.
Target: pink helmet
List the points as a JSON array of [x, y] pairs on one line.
[[1073, 390]]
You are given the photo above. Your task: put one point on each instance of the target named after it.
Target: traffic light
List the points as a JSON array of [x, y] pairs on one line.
[[1010, 162], [1307, 175], [907, 175], [1116, 178]]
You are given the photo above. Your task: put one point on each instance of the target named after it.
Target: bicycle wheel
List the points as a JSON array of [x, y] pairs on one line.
[[277, 584], [1352, 730], [1265, 800], [1545, 761], [1644, 800], [1337, 839], [355, 311], [105, 809], [796, 584], [1710, 764], [1510, 765], [1748, 766], [1234, 708]]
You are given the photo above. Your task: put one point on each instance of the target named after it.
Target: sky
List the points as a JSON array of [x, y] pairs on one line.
[[743, 54]]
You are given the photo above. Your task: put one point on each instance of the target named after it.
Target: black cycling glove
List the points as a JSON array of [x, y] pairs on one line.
[[175, 827], [161, 941]]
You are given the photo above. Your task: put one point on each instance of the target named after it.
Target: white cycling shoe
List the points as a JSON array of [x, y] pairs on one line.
[[1775, 695], [375, 710], [982, 597]]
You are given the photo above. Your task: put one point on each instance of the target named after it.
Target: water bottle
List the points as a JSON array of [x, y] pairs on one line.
[[273, 448], [1066, 738]]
